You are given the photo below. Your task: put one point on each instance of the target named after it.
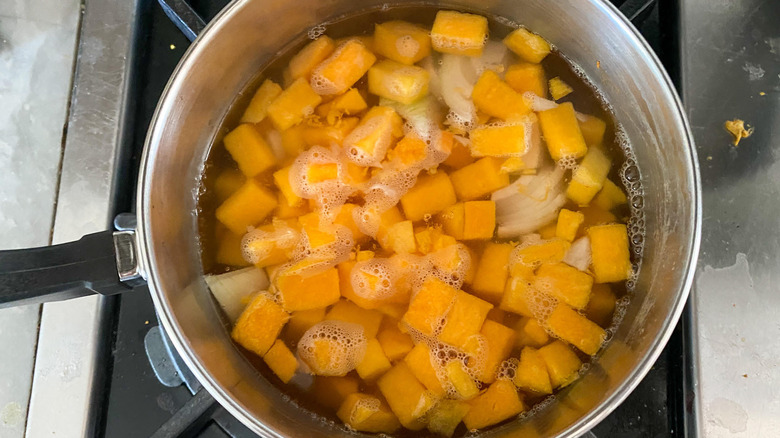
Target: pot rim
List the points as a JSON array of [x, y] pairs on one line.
[[585, 422]]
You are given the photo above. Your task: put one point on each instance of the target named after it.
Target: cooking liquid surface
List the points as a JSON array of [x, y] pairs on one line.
[[302, 389]]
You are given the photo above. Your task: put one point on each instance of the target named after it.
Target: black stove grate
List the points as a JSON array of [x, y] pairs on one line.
[[135, 403]]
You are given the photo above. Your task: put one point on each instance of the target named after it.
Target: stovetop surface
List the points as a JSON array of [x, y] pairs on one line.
[[134, 401]]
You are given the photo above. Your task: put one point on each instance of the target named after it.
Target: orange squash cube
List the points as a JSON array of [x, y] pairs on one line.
[[562, 363], [609, 197], [317, 237], [406, 396], [460, 156], [492, 272], [479, 179], [293, 104], [345, 66], [399, 238], [559, 89], [301, 321], [430, 195], [331, 391], [531, 374], [499, 140], [229, 250], [464, 319], [282, 181], [445, 417], [227, 182], [500, 340], [596, 216], [517, 294], [329, 135], [284, 211], [247, 207], [526, 77], [601, 305], [593, 129], [459, 33], [531, 333], [500, 402], [345, 217], [267, 251], [345, 286], [387, 219], [350, 312], [567, 324], [395, 344], [568, 224], [527, 45], [292, 140], [349, 103], [463, 384], [303, 63], [479, 219], [549, 251], [374, 362], [258, 106], [420, 362], [453, 219], [249, 150], [402, 41], [562, 133], [589, 177], [259, 324], [432, 239], [610, 257], [366, 413], [548, 231], [281, 361], [428, 307], [309, 292], [377, 131], [399, 82], [495, 97], [319, 172], [409, 151], [564, 282]]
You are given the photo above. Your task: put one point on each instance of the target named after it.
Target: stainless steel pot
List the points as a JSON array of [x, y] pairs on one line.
[[227, 56]]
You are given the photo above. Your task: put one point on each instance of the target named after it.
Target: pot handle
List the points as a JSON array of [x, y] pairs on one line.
[[184, 17], [103, 263], [635, 10]]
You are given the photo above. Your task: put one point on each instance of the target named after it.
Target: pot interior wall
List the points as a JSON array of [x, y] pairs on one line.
[[249, 34]]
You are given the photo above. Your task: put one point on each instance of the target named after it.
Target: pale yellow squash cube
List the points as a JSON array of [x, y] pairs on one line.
[[282, 181], [527, 77], [609, 197], [561, 132], [479, 219], [303, 63], [281, 361], [430, 195], [492, 272], [407, 397], [562, 363], [495, 97], [446, 416], [348, 311], [402, 41], [593, 129], [366, 413], [349, 103], [374, 362], [258, 106], [531, 333], [531, 374], [429, 305], [329, 135], [559, 89], [345, 66], [463, 384], [459, 33], [420, 362], [601, 305], [248, 148], [564, 282], [568, 224], [500, 402], [548, 251], [610, 257], [400, 238], [565, 323], [589, 177], [518, 294], [377, 131], [395, 344], [527, 45], [399, 82], [259, 324], [464, 319], [292, 140], [247, 207], [293, 104], [409, 151]]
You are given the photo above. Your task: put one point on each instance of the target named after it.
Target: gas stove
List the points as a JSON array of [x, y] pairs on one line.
[[140, 386]]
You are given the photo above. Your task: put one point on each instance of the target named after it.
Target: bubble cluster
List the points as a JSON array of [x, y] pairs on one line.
[[366, 128], [332, 348], [259, 244], [329, 194], [567, 162], [374, 279], [407, 46], [508, 368], [370, 404], [316, 31]]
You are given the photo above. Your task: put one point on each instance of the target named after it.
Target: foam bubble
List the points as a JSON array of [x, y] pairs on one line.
[[345, 343], [316, 31], [451, 264], [258, 244], [329, 194], [407, 46], [374, 279], [567, 162], [507, 369], [370, 404], [367, 128]]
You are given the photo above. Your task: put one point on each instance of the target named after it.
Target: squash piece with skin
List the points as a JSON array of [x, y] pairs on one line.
[[459, 33]]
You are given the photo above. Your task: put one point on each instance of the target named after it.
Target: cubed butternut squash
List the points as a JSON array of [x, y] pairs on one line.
[[609, 197], [479, 179], [463, 384], [293, 104], [446, 416], [564, 282], [548, 251], [429, 306], [400, 238], [479, 219], [346, 218], [430, 195], [374, 362], [229, 250], [464, 319], [526, 77], [610, 257], [366, 413], [500, 140], [377, 131], [395, 344], [258, 106], [589, 177], [227, 182], [568, 224], [281, 361], [329, 135], [453, 219], [248, 148], [345, 66], [331, 391], [492, 272], [259, 324], [303, 63], [349, 103], [309, 292], [399, 82], [592, 128], [459, 33], [499, 402], [527, 45], [562, 133], [420, 362], [531, 374], [402, 41], [460, 156], [495, 97], [406, 396], [282, 181], [348, 311], [531, 333], [247, 207], [284, 211], [409, 151], [601, 305], [548, 231], [567, 324], [559, 89], [499, 342], [432, 239], [561, 362], [301, 321], [517, 294]]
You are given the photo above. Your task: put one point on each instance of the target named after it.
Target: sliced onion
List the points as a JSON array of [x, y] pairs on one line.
[[529, 203], [579, 255]]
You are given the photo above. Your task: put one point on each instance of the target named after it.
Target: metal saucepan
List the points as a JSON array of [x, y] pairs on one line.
[[226, 57]]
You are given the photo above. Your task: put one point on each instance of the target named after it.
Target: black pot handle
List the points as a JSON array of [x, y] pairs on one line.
[[636, 10], [103, 263], [184, 17]]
